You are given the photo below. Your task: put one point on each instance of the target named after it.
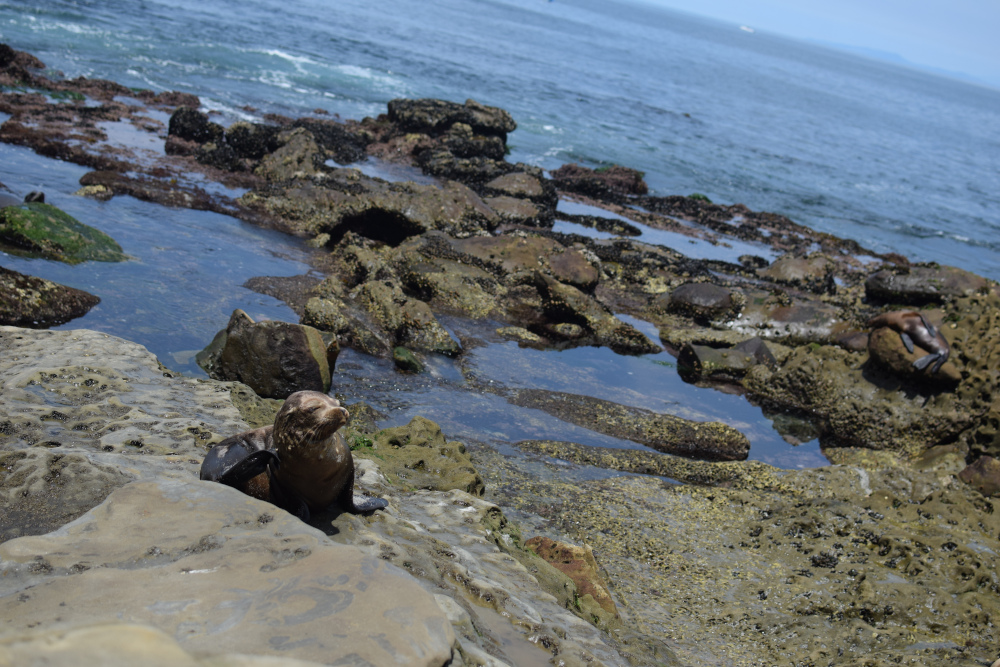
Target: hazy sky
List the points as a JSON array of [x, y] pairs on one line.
[[957, 35]]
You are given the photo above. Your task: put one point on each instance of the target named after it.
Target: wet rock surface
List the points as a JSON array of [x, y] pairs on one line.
[[42, 230], [27, 301]]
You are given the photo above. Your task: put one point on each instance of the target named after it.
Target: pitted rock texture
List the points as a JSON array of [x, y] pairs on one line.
[[464, 548], [222, 573], [42, 490], [835, 566], [81, 390]]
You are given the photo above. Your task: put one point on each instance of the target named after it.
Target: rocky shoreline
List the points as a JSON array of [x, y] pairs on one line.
[[885, 558]]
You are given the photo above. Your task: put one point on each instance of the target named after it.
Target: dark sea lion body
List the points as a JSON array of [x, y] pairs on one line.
[[913, 327], [300, 464]]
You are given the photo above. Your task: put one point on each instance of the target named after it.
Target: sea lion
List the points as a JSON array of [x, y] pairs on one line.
[[913, 327], [300, 463]]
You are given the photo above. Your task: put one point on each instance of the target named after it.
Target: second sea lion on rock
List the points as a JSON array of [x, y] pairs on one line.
[[913, 327], [300, 463]]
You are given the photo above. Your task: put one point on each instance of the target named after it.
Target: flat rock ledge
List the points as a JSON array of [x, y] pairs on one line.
[[220, 572], [158, 568]]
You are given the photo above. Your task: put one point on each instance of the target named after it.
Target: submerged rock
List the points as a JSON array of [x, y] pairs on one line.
[[275, 359], [26, 301], [43, 230], [666, 433]]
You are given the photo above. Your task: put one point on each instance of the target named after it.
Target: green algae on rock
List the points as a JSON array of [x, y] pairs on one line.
[[44, 230], [418, 456]]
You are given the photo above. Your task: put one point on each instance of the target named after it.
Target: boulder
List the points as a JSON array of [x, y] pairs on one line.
[[813, 272], [345, 200], [515, 211], [918, 285], [566, 304], [434, 117], [609, 183], [514, 253], [222, 573], [702, 302], [524, 186], [409, 321], [274, 359], [26, 301], [984, 475], [886, 348], [297, 156], [578, 563], [192, 125], [43, 230]]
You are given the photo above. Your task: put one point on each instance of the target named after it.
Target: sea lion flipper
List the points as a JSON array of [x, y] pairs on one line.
[[907, 341], [361, 504], [248, 468], [358, 504], [927, 325], [925, 361]]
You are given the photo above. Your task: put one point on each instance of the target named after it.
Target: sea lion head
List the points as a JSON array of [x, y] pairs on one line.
[[307, 417]]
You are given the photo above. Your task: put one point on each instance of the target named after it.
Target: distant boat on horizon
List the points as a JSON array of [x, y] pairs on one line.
[[746, 29]]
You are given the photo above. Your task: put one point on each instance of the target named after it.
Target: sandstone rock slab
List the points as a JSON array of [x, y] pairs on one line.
[[220, 573]]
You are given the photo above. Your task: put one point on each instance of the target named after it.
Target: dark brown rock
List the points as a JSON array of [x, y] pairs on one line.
[[701, 302], [887, 349], [274, 359], [26, 301], [193, 125], [918, 285], [984, 475], [434, 117], [609, 183]]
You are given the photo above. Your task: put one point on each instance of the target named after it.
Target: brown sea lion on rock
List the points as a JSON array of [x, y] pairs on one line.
[[300, 464], [913, 327]]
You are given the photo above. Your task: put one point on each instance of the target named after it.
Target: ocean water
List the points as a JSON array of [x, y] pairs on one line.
[[897, 159]]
